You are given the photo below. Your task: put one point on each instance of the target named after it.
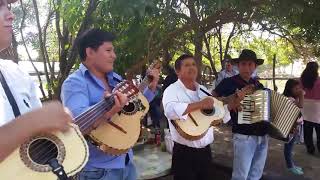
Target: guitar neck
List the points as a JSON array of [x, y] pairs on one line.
[[86, 119], [226, 100], [144, 84], [147, 79]]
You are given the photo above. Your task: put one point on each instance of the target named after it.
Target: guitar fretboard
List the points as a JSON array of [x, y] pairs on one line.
[[144, 84], [86, 119]]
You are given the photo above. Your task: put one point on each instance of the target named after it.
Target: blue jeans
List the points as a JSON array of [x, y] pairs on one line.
[[250, 153], [288, 152], [155, 115], [127, 173]]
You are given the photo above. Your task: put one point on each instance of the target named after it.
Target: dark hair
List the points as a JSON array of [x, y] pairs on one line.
[[92, 38], [290, 84], [178, 63], [310, 75], [170, 70]]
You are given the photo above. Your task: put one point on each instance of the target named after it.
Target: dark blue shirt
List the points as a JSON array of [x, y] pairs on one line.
[[228, 87]]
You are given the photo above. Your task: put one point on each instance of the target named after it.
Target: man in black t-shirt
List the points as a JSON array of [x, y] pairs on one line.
[[250, 140]]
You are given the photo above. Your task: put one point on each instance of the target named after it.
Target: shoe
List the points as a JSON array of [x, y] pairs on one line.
[[296, 171], [311, 152], [299, 168]]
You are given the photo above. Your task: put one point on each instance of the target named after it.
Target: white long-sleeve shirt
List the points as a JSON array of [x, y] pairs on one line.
[[176, 99], [23, 89]]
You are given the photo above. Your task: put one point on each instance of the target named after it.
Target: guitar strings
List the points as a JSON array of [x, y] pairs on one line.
[[45, 154], [85, 119], [99, 108], [88, 120], [97, 113]]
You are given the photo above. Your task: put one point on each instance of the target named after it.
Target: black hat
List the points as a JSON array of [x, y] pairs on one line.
[[248, 54], [227, 58]]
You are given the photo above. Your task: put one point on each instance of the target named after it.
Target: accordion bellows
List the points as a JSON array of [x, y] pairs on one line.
[[268, 105]]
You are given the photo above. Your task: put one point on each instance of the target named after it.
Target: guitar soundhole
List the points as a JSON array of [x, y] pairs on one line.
[[208, 112], [130, 109], [36, 153], [42, 150]]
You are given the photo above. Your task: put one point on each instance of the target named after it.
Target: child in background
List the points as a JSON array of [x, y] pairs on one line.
[[294, 92]]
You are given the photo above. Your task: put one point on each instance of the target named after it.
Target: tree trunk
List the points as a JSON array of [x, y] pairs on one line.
[[42, 49], [26, 48], [198, 39], [229, 40], [211, 60], [219, 34], [275, 88], [68, 57]]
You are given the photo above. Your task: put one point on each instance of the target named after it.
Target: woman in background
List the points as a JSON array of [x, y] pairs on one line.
[[311, 108]]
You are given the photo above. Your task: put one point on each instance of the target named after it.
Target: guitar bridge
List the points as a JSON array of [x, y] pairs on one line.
[[117, 127], [193, 120]]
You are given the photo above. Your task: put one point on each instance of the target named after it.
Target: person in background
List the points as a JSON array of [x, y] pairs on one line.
[[311, 108], [295, 93], [170, 78], [227, 71], [155, 105]]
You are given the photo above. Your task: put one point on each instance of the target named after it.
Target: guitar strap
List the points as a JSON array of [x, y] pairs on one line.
[[242, 83], [204, 91], [183, 88], [58, 169], [116, 79], [9, 95]]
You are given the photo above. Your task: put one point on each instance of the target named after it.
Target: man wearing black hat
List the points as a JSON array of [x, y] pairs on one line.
[[227, 71], [250, 140]]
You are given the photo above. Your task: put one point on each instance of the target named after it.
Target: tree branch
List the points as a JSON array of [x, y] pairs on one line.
[[26, 48], [42, 48], [209, 56], [229, 39], [51, 13], [72, 56]]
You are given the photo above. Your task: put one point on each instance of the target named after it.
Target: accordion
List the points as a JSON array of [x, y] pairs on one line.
[[268, 105]]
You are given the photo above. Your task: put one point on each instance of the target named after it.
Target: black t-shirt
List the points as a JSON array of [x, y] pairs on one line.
[[170, 79], [228, 87]]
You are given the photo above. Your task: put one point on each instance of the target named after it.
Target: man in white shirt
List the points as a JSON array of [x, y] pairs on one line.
[[15, 129], [191, 159]]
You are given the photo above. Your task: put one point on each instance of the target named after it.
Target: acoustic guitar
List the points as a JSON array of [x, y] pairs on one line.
[[198, 122], [44, 155], [122, 132]]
